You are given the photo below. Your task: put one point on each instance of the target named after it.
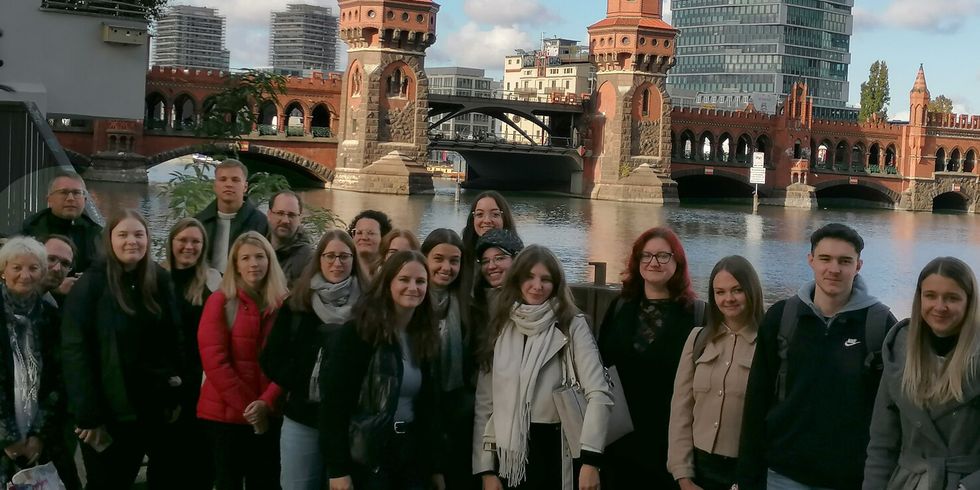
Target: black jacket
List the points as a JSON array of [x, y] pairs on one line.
[[361, 385], [289, 357], [84, 232], [116, 365], [50, 414], [248, 218], [188, 319], [295, 256], [817, 435]]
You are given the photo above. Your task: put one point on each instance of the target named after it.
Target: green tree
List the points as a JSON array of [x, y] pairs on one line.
[[230, 113], [942, 105], [875, 93]]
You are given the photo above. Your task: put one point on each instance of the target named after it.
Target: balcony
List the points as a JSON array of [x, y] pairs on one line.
[[105, 8]]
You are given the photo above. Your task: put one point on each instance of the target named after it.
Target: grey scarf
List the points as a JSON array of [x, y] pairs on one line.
[[333, 304], [23, 317], [446, 307]]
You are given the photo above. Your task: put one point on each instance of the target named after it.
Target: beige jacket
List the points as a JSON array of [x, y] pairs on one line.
[[591, 376], [709, 395]]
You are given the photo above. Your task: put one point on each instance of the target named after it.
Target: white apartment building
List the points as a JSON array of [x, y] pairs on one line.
[[303, 38], [464, 82], [559, 71], [191, 37]]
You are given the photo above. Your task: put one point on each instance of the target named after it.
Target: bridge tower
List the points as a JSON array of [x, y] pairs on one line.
[[383, 137], [632, 49], [915, 137]]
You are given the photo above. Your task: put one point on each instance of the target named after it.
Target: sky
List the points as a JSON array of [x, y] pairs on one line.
[[941, 34]]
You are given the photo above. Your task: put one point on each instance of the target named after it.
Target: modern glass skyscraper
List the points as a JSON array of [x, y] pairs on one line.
[[728, 47]]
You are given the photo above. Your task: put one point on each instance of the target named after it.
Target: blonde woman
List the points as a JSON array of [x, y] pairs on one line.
[[237, 399], [926, 417]]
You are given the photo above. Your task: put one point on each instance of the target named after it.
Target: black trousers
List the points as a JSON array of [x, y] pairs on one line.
[[401, 467], [182, 456], [116, 467], [457, 415], [543, 468], [243, 459], [714, 472]]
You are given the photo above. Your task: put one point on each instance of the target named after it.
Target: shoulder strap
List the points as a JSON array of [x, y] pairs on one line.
[[699, 309], [231, 311], [875, 329], [787, 328], [700, 343]]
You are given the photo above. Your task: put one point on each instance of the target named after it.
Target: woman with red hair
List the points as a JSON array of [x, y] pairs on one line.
[[643, 334]]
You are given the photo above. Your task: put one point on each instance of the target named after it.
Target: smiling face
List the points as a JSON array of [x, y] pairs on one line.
[[443, 262], [67, 198], [129, 242], [336, 261], [252, 264], [229, 186], [23, 274], [409, 286], [835, 264], [367, 237], [187, 246], [653, 272], [487, 216], [494, 264], [538, 286], [730, 298], [944, 305]]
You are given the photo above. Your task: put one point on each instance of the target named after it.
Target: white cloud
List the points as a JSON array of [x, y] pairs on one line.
[[474, 47], [508, 12], [939, 16]]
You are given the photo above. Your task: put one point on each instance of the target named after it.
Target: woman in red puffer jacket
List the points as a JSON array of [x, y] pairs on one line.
[[237, 399]]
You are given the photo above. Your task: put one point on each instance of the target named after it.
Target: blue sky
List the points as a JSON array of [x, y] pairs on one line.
[[942, 34]]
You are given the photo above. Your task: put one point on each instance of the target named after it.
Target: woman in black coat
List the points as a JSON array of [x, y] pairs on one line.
[[121, 358], [381, 429]]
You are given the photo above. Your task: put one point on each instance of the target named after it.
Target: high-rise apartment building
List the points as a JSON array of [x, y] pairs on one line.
[[727, 50], [190, 37], [303, 38]]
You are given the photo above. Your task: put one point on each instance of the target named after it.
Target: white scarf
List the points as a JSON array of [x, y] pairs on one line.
[[332, 304], [518, 355]]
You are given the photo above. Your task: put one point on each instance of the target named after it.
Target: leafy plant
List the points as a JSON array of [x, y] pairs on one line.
[[942, 105], [230, 113], [875, 94]]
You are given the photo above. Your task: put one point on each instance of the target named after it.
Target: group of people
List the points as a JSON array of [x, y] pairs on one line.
[[254, 357]]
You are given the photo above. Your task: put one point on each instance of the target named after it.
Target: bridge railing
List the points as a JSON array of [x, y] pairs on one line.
[[109, 8]]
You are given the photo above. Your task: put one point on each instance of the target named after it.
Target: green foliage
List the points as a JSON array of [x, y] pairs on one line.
[[230, 113], [875, 94], [942, 105]]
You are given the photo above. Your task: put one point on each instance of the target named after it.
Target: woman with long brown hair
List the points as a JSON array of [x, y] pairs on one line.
[[120, 350], [643, 334]]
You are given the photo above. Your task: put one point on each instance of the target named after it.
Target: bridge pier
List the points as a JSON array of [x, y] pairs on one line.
[[800, 196], [128, 168], [642, 185], [394, 173]]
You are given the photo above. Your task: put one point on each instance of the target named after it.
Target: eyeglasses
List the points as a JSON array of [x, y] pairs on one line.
[[330, 257], [491, 215], [65, 263], [285, 214], [662, 257], [65, 193], [495, 260]]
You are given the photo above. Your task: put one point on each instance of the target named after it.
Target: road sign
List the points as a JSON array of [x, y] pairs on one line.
[[757, 175], [758, 159]]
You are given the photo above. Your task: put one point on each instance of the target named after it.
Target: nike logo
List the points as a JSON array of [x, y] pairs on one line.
[[851, 342]]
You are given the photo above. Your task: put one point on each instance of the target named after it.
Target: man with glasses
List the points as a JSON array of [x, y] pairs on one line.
[[288, 237], [230, 214], [61, 260], [65, 215]]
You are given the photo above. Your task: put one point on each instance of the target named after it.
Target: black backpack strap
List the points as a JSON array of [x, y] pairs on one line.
[[876, 327], [787, 328], [699, 309], [700, 343]]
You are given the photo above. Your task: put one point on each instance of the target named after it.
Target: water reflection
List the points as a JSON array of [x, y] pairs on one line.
[[775, 240]]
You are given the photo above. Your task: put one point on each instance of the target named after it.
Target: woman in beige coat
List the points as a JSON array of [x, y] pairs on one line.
[[924, 432], [518, 437], [709, 390]]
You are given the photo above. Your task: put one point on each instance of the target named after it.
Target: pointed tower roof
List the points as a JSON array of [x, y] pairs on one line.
[[920, 83]]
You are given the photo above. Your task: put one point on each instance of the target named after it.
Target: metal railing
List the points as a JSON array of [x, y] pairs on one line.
[[109, 8]]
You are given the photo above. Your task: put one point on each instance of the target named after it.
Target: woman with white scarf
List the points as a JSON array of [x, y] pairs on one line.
[[322, 300], [518, 438], [28, 373]]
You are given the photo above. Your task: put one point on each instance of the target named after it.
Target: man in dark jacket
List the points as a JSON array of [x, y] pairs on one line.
[[230, 214], [61, 260], [293, 246], [816, 371], [65, 215]]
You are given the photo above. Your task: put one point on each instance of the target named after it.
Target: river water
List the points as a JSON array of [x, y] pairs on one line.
[[775, 240]]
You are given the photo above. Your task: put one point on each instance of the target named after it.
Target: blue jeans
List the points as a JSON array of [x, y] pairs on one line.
[[775, 481], [302, 462]]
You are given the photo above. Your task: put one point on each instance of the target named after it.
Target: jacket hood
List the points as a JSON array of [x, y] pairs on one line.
[[859, 300]]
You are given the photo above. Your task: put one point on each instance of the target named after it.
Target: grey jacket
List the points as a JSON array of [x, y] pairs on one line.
[[921, 449], [295, 256]]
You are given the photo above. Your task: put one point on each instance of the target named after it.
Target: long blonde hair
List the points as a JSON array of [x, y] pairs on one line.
[[270, 294], [195, 290], [927, 382]]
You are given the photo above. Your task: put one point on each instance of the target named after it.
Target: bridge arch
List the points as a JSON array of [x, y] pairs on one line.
[[951, 201], [721, 184], [498, 113], [305, 166], [857, 155], [764, 145], [970, 160], [705, 148], [294, 114], [320, 116], [156, 111], [686, 150], [869, 191], [743, 149], [724, 151], [940, 160], [953, 164], [841, 151], [185, 111]]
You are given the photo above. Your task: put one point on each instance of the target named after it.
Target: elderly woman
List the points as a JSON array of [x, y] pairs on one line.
[[28, 369]]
